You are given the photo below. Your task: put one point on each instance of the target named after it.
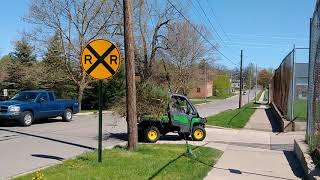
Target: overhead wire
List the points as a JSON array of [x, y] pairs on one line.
[[201, 34]]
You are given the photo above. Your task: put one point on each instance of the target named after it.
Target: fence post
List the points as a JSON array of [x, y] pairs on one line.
[[292, 84], [310, 124]]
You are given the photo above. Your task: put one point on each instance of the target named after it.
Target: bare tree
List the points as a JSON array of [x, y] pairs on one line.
[[150, 35], [185, 49], [77, 22]]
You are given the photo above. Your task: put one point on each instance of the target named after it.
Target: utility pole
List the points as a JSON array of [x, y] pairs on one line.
[[130, 75], [206, 80], [241, 81], [255, 98], [249, 90], [230, 88]]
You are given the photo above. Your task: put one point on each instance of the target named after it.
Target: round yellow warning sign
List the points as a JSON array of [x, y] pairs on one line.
[[101, 59]]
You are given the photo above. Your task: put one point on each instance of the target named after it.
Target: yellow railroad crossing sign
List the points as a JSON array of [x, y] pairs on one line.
[[101, 59]]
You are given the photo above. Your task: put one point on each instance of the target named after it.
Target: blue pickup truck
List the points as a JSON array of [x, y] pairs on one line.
[[28, 106]]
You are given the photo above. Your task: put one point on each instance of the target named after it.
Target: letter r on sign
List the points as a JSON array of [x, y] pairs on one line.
[[87, 58], [113, 58]]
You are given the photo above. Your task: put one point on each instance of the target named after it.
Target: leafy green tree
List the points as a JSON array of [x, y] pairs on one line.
[[54, 56], [54, 62], [113, 91], [24, 52], [221, 85]]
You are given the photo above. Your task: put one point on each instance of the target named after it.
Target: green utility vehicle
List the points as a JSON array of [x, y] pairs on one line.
[[182, 118]]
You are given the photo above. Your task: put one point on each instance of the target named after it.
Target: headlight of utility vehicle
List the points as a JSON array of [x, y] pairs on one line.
[[13, 108]]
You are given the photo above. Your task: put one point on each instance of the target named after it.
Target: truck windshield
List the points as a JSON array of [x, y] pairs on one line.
[[25, 96]]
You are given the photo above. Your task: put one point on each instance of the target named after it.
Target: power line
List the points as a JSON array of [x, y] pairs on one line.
[[205, 14], [271, 37], [224, 32], [213, 28], [196, 29]]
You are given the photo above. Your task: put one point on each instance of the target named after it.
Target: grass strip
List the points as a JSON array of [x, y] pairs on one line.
[[150, 161]]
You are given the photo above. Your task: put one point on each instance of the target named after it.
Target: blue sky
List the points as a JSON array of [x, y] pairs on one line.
[[265, 30]]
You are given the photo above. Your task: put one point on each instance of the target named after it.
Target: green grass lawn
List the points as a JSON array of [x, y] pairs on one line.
[[300, 109], [233, 118], [150, 161]]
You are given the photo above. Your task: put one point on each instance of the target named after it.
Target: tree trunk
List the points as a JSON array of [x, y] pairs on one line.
[[130, 75], [80, 95]]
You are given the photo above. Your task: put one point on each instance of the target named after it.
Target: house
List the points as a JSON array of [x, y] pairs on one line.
[[202, 89], [301, 80]]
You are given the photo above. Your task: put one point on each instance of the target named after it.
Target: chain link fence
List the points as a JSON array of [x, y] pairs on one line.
[[289, 85], [313, 121]]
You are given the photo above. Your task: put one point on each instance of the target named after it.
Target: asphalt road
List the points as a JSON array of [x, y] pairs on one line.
[[24, 149], [217, 106]]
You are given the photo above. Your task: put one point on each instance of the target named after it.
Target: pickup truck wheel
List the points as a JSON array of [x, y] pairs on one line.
[[26, 118], [67, 115]]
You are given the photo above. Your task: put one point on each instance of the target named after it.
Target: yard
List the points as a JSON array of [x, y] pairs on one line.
[[236, 118], [300, 109], [150, 161]]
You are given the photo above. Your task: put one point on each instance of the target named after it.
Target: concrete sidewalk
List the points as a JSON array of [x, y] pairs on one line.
[[263, 120], [251, 154]]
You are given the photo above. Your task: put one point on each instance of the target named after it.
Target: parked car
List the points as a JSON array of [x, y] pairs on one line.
[[28, 106], [244, 93]]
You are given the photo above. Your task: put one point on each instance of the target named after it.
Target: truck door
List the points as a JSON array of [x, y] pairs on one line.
[[44, 110], [54, 105]]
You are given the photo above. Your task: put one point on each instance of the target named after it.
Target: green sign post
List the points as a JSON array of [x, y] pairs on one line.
[[101, 60]]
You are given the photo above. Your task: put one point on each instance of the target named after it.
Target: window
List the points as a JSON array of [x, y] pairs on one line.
[[181, 105], [25, 96], [51, 97], [198, 90], [43, 97]]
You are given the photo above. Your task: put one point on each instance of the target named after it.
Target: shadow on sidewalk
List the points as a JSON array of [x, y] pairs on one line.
[[274, 124], [240, 172], [294, 164]]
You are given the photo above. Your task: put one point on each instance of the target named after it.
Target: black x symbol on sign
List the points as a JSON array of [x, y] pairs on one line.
[[100, 59]]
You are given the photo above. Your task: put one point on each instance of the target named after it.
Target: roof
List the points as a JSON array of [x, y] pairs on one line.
[[301, 69]]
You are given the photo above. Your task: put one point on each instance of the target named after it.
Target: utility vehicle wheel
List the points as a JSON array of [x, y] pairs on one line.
[[151, 134], [67, 115], [26, 118], [184, 135], [198, 133]]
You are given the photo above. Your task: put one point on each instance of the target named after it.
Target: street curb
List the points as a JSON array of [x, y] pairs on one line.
[[61, 162], [212, 100], [93, 113], [218, 127]]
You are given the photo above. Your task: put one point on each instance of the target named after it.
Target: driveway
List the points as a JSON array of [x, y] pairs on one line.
[[23, 149]]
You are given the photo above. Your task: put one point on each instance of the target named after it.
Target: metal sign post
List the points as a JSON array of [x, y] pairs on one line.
[[101, 60], [100, 123]]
